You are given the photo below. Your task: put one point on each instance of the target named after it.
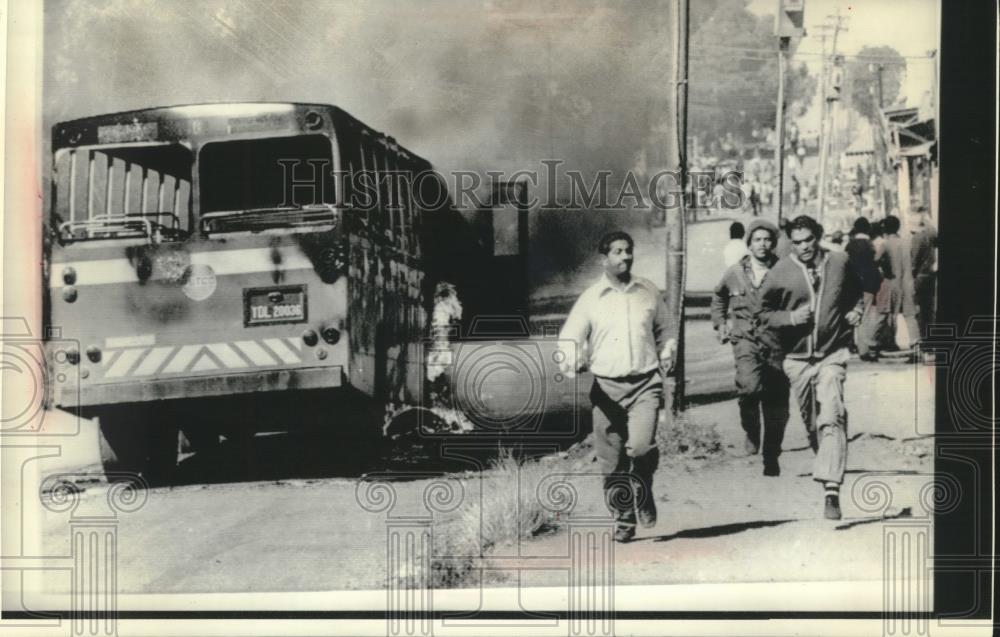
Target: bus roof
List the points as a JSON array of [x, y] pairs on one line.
[[204, 121]]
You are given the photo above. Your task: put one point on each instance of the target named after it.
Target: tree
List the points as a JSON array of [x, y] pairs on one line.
[[734, 72], [863, 72]]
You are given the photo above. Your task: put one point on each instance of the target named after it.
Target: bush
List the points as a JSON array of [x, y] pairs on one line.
[[681, 437], [507, 512]]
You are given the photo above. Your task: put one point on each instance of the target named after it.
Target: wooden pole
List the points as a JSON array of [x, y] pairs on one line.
[[822, 138], [676, 219], [779, 125]]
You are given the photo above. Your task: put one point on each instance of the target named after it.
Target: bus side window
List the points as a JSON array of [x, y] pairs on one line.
[[376, 189], [395, 201], [415, 217], [360, 179], [406, 212], [385, 178], [350, 154]]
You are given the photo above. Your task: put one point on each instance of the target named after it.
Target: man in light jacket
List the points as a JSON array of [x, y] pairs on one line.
[[810, 303]]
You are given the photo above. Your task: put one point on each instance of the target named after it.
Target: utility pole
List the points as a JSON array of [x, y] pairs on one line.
[[828, 97], [821, 189], [676, 219], [788, 24], [779, 125], [881, 99]]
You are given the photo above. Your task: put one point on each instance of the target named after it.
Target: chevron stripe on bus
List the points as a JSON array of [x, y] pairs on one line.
[[137, 362]]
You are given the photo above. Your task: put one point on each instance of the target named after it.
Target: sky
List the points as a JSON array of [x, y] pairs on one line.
[[484, 85], [912, 27], [498, 81], [471, 85]]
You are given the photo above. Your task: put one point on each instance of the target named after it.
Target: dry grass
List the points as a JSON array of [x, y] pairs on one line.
[[681, 437], [507, 512], [510, 510]]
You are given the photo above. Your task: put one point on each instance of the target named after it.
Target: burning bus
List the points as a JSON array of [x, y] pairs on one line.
[[231, 267]]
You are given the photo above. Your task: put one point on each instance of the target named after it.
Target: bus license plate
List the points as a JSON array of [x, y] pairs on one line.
[[271, 306]]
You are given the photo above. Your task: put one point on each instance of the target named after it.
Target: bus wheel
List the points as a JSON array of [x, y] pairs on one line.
[[201, 438], [133, 446], [121, 444], [160, 464], [241, 451]]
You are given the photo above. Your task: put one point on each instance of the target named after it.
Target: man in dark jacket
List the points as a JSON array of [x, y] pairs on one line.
[[923, 244], [810, 302], [760, 382], [898, 270], [861, 255]]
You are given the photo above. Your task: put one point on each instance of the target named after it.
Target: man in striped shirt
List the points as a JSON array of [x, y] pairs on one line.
[[619, 325]]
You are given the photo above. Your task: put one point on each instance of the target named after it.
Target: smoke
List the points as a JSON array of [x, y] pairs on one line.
[[492, 85]]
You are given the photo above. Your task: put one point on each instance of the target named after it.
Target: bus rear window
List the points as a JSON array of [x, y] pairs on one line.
[[105, 192], [272, 173]]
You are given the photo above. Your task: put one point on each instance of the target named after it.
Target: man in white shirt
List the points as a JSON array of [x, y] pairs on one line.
[[619, 321], [736, 249]]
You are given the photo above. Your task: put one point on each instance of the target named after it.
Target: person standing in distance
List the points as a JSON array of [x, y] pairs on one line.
[[784, 247], [760, 382], [923, 258], [735, 249], [810, 302], [620, 322]]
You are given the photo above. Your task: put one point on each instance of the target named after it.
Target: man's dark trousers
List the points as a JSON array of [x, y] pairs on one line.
[[761, 386], [626, 411]]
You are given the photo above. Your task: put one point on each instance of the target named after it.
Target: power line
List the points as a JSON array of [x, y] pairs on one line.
[[873, 58]]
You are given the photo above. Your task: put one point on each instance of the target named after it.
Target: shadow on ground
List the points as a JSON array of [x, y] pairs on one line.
[[906, 512], [321, 455], [720, 529]]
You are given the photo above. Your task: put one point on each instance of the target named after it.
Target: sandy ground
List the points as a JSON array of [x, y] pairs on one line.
[[720, 520], [296, 524], [723, 521]]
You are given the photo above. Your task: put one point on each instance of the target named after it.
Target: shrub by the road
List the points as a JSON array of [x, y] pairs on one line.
[[507, 512], [683, 437]]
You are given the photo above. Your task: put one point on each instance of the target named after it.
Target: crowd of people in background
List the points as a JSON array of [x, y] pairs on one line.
[[898, 277], [758, 183]]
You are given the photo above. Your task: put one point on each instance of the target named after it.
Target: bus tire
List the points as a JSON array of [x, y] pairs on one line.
[[132, 446], [163, 444], [121, 446], [200, 438]]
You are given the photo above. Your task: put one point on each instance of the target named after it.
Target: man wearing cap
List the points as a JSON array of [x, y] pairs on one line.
[[760, 382], [620, 323]]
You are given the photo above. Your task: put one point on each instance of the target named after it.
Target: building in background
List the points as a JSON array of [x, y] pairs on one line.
[[909, 137]]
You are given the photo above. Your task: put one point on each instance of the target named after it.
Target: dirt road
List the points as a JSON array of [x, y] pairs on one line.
[[720, 519]]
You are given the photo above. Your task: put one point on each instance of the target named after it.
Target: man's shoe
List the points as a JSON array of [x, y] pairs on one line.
[[771, 467], [831, 510], [750, 447], [624, 534], [647, 513]]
